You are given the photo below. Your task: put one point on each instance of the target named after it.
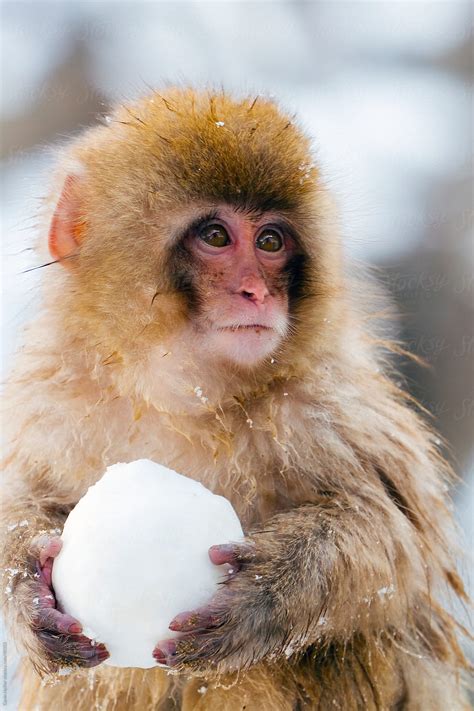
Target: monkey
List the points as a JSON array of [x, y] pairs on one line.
[[200, 311]]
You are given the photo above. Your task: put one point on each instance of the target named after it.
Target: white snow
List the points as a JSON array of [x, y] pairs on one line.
[[200, 396], [135, 554], [12, 526]]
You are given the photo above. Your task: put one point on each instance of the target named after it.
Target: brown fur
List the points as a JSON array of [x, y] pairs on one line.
[[337, 480]]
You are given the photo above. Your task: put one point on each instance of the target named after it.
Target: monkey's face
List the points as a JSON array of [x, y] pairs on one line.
[[234, 268], [197, 226]]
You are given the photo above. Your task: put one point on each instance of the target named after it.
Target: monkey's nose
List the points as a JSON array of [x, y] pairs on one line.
[[254, 290]]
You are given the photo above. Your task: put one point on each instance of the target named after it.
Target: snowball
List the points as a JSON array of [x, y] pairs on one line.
[[135, 554]]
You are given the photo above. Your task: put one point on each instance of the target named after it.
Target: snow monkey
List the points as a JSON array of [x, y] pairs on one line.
[[199, 313]]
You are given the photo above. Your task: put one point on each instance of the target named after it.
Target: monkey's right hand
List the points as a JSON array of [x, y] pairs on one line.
[[60, 637]]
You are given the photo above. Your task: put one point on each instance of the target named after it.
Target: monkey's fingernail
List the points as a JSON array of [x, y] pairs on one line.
[[164, 653], [159, 656], [222, 554], [75, 628], [181, 621]]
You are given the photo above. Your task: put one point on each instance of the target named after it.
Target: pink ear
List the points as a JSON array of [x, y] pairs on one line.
[[65, 232]]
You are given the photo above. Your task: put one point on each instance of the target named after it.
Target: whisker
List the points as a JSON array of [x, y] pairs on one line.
[[47, 264]]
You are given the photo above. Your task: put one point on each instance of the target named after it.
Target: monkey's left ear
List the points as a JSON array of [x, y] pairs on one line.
[[67, 226]]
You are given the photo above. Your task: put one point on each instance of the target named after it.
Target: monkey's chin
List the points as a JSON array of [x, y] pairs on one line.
[[246, 346]]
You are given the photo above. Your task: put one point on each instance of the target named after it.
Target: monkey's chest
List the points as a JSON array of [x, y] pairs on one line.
[[246, 467]]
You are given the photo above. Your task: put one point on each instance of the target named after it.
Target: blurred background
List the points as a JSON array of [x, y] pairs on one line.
[[385, 89]]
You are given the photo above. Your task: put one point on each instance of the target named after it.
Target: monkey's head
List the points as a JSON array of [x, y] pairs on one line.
[[199, 218]]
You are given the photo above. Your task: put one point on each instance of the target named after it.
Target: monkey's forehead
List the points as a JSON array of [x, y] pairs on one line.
[[187, 145]]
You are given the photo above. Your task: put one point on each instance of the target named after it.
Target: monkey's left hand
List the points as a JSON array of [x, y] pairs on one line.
[[243, 623]]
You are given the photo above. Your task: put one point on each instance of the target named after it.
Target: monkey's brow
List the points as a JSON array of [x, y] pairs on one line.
[[285, 225], [200, 221], [275, 218], [253, 215]]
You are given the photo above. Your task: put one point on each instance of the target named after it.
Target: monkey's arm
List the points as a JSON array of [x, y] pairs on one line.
[[318, 572], [352, 563], [51, 639]]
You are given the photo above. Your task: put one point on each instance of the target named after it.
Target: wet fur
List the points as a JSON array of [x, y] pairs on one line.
[[334, 475]]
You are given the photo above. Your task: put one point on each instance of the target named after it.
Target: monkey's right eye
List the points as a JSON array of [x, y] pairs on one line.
[[214, 235]]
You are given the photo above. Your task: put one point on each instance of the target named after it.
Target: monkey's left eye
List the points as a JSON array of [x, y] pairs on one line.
[[215, 235], [269, 240]]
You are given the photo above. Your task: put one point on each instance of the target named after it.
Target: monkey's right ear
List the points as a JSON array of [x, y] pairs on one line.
[[67, 226]]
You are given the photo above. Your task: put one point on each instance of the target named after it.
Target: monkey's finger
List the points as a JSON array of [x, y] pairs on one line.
[[45, 546], [232, 553], [82, 652], [45, 572], [164, 652], [45, 594], [73, 651], [187, 650], [96, 660], [62, 645], [51, 619], [200, 619], [85, 662], [48, 570], [44, 600]]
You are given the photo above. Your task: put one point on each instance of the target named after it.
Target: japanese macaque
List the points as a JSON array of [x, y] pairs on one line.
[[199, 314]]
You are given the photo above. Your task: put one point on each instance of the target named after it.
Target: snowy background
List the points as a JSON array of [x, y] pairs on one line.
[[385, 88]]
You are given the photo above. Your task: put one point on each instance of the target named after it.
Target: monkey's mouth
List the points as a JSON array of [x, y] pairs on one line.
[[246, 344], [246, 327]]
